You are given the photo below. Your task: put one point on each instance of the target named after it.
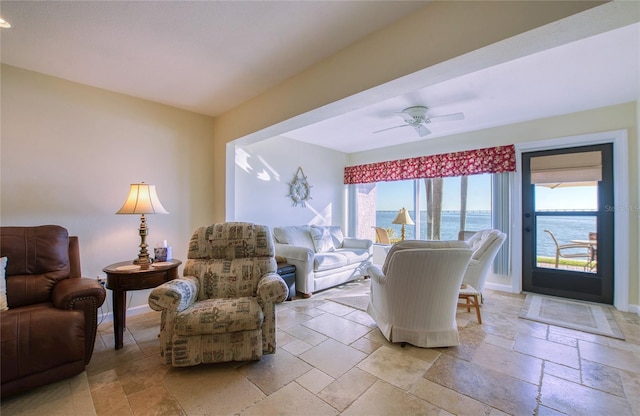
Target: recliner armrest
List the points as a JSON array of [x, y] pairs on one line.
[[175, 295], [271, 288], [81, 294], [69, 291]]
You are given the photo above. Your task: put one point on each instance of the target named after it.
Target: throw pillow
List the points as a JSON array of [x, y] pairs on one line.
[[336, 234], [3, 285], [322, 240], [295, 235]]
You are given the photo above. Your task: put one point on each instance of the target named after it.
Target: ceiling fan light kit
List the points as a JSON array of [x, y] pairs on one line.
[[416, 113], [416, 117]]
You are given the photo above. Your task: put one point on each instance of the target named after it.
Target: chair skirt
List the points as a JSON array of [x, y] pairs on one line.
[[216, 348]]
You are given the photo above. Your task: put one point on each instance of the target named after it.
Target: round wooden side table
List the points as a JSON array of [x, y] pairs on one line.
[[125, 276]]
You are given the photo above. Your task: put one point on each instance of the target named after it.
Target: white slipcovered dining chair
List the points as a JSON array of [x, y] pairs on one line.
[[485, 245], [414, 297]]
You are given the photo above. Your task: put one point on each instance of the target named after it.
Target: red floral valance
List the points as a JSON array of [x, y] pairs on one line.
[[489, 160]]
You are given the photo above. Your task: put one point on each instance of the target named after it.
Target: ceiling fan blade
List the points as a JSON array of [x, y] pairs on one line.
[[422, 130], [447, 117], [391, 128]]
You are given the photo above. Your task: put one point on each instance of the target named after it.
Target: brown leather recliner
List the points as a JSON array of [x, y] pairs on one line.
[[49, 331]]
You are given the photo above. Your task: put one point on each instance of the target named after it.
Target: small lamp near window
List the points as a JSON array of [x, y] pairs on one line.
[[403, 218], [142, 200]]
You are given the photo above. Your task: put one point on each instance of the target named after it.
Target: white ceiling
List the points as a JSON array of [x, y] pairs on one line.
[[590, 73], [202, 56], [209, 57]]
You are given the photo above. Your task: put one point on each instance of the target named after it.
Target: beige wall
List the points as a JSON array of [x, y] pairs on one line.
[[69, 153]]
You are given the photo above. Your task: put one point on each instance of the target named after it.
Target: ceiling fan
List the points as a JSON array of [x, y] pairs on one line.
[[416, 117]]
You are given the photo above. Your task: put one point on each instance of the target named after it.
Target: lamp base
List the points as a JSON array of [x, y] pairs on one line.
[[143, 260]]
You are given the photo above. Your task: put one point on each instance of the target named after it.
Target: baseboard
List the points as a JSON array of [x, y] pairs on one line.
[[635, 309], [499, 287], [136, 310]]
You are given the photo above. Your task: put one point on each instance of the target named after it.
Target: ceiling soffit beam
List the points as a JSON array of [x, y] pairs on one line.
[[425, 39]]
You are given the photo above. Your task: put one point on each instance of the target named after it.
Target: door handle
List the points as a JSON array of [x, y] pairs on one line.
[[527, 215], [527, 229]]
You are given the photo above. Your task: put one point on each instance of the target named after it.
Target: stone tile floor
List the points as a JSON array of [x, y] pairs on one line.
[[332, 359]]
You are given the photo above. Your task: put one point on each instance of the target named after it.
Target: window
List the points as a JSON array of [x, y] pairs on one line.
[[475, 214], [493, 163]]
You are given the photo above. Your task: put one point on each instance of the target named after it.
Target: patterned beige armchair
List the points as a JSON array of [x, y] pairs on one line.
[[223, 309]]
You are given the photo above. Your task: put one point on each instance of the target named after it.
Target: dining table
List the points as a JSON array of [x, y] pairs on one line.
[[593, 250]]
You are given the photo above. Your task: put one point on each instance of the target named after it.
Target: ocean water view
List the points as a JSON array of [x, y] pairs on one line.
[[564, 228]]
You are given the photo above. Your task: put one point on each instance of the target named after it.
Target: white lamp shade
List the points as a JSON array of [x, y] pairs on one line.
[[403, 218], [142, 199]]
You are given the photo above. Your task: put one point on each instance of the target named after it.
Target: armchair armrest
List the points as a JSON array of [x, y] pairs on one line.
[[68, 293], [271, 288], [376, 274], [574, 245], [175, 295], [361, 243]]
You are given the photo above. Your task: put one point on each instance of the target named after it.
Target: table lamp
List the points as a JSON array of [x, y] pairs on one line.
[[142, 200], [402, 218]]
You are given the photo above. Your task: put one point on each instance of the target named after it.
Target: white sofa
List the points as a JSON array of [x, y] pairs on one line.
[[322, 255]]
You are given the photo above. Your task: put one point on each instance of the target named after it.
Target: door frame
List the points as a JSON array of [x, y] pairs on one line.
[[594, 285], [621, 208]]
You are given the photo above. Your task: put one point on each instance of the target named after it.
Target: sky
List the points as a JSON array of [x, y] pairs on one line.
[[395, 195], [575, 198]]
